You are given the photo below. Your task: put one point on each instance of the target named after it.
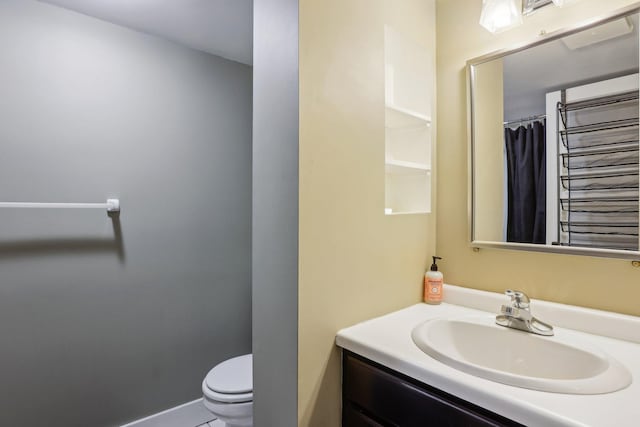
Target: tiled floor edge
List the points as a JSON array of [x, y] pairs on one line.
[[186, 415]]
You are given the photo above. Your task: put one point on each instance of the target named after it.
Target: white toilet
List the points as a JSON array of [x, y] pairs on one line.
[[228, 391]]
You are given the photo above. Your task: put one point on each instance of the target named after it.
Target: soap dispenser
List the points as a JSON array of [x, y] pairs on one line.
[[433, 284]]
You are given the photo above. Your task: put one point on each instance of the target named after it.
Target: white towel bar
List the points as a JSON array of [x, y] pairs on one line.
[[112, 205]]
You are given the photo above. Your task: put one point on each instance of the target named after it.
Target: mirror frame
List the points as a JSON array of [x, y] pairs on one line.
[[471, 196]]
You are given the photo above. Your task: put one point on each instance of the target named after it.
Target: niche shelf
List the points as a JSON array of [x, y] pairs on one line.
[[408, 127], [402, 118], [405, 168]]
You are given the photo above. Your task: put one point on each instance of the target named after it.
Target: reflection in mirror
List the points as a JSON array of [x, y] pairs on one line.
[[555, 143]]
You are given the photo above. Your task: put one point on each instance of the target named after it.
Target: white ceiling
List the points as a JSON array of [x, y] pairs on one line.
[[531, 73], [219, 27]]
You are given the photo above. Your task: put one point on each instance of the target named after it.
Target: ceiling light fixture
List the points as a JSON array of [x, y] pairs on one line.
[[499, 15], [530, 6]]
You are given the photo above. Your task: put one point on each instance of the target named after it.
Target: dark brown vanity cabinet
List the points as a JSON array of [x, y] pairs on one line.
[[376, 396]]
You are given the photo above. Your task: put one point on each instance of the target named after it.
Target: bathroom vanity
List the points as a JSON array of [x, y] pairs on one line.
[[374, 395], [389, 380]]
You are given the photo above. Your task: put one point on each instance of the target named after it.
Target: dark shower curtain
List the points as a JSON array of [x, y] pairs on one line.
[[526, 169]]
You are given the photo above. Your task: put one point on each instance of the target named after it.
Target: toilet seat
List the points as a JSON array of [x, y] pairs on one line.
[[231, 381], [224, 397]]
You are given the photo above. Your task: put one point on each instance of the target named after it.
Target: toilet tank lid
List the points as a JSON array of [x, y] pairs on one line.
[[232, 376]]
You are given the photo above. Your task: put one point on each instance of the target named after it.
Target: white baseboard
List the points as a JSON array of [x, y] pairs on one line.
[[190, 414]]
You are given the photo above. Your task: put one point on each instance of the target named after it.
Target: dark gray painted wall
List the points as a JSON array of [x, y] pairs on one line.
[[275, 212], [93, 333]]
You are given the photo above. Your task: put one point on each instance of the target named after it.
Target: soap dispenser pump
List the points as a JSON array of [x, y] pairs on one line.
[[433, 283]]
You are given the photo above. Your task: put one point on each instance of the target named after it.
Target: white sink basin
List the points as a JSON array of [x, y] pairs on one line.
[[478, 346]]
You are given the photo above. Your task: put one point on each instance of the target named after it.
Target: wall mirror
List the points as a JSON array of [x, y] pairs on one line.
[[554, 142]]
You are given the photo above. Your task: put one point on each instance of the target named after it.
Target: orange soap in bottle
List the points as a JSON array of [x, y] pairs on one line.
[[433, 284]]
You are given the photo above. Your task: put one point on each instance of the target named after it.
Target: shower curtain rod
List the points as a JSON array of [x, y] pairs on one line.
[[112, 205], [525, 119]]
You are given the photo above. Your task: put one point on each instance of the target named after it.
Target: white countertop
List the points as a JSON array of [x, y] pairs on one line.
[[387, 340]]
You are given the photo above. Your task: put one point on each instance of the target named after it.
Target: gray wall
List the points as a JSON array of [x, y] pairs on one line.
[[104, 322], [275, 212]]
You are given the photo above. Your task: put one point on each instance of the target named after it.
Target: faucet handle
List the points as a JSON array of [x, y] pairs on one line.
[[518, 298], [516, 313]]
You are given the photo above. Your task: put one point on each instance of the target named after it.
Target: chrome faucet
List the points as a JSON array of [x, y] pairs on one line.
[[517, 315]]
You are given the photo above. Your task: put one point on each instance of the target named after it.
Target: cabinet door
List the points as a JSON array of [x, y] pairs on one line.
[[353, 416], [395, 400]]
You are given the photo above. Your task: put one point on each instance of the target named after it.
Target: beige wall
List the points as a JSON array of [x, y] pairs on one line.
[[355, 262], [489, 134], [585, 281]]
